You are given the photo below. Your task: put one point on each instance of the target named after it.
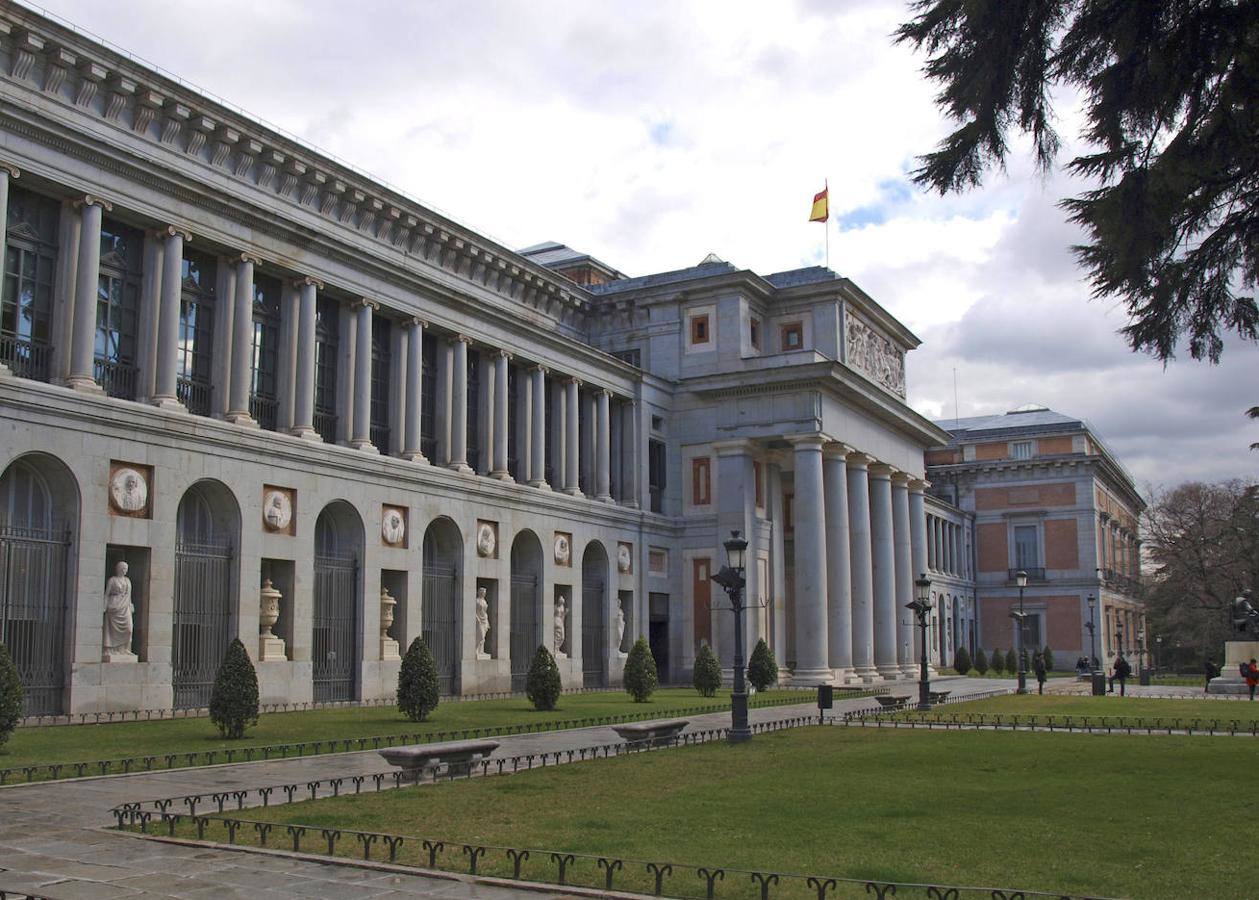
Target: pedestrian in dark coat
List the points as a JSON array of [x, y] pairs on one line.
[[1120, 673], [1252, 676], [1212, 671], [1038, 665]]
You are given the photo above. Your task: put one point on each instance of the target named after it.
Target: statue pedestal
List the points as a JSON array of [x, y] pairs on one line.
[[389, 649], [483, 656], [118, 656], [271, 649], [560, 654], [1230, 680]]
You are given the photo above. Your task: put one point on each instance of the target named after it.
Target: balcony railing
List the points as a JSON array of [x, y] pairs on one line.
[[326, 425], [25, 358], [264, 410], [380, 437], [194, 394], [118, 379]]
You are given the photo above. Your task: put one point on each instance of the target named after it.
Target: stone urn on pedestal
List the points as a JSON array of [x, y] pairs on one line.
[[270, 647], [388, 646]]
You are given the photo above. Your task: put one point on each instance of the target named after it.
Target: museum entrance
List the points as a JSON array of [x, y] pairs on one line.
[[35, 536], [202, 624], [526, 603], [439, 617], [335, 622], [594, 616]]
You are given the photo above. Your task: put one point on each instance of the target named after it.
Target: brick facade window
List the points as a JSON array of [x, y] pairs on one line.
[[792, 335], [1022, 450], [754, 333], [701, 481], [699, 329]]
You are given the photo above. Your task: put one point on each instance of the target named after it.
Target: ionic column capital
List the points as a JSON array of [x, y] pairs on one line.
[[175, 231], [859, 460], [247, 258], [573, 380], [461, 339], [503, 354], [308, 280], [836, 450], [603, 392], [807, 441], [414, 322], [737, 447], [899, 478], [881, 470], [93, 200], [918, 485], [9, 170], [364, 303], [538, 367]]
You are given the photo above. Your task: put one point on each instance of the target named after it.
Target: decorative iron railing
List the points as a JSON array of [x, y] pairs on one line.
[[25, 358]]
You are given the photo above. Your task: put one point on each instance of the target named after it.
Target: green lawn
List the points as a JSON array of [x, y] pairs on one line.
[[1113, 816], [77, 743], [1061, 706]]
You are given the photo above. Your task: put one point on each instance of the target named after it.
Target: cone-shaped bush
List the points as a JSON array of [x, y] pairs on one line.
[[10, 695], [234, 700], [998, 661], [417, 682], [1011, 661], [640, 672], [543, 685], [961, 661], [1048, 656], [762, 667], [981, 662], [707, 678]]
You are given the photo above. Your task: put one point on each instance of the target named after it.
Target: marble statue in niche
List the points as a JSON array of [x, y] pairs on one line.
[[128, 490], [119, 616], [620, 627], [486, 540], [482, 623], [393, 527], [561, 609], [277, 510]]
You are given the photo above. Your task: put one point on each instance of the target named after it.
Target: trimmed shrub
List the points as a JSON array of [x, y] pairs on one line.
[[1011, 661], [998, 661], [543, 685], [707, 678], [417, 682], [10, 695], [1048, 656], [234, 700], [981, 662], [762, 667], [640, 672], [961, 661]]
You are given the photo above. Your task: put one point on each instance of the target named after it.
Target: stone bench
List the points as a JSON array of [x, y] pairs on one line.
[[458, 756], [891, 701], [655, 733], [939, 696]]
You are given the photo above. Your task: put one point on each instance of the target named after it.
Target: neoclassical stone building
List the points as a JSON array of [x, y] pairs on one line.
[[310, 413]]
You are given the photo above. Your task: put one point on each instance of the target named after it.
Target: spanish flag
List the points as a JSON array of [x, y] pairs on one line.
[[820, 211]]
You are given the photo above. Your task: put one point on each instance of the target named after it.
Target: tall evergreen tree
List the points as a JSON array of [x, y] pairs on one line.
[[234, 700], [417, 693], [707, 675], [640, 672], [762, 667], [10, 695], [543, 684]]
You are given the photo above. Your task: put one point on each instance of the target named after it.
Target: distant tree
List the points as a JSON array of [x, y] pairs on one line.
[[543, 685], [1170, 113], [417, 693], [1048, 656], [981, 662], [762, 667], [1011, 661], [707, 677], [640, 672], [234, 699], [997, 662], [10, 695], [961, 660]]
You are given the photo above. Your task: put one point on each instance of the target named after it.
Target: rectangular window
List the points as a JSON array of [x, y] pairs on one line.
[[327, 340], [699, 329], [1026, 547], [634, 357], [701, 593], [1021, 450], [754, 333], [382, 360], [30, 259], [196, 332], [264, 397], [792, 335], [118, 309], [701, 481], [656, 474]]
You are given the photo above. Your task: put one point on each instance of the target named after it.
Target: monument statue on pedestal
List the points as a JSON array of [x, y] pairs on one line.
[[1243, 648], [561, 608], [620, 627], [119, 613], [482, 623]]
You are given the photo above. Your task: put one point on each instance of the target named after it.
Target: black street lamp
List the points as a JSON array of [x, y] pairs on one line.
[[1092, 627], [922, 609], [1118, 638], [1020, 578], [732, 580], [1158, 649]]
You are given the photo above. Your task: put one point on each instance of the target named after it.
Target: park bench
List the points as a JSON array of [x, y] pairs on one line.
[[891, 701], [939, 696], [655, 733], [457, 756]]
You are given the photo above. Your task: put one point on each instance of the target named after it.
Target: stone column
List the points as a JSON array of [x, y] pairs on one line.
[[361, 436], [537, 432], [603, 446], [812, 665], [629, 454], [918, 526], [907, 624], [459, 405], [859, 546], [502, 359], [778, 556], [415, 390], [83, 344], [571, 485], [6, 173], [838, 562], [242, 344], [884, 557], [165, 394], [304, 391]]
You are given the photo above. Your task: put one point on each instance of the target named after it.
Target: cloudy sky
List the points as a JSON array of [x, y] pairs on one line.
[[652, 133]]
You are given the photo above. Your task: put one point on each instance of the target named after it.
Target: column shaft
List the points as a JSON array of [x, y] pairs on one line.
[[501, 362], [5, 174], [884, 558], [571, 472], [362, 435], [603, 447], [907, 648], [165, 392], [629, 454], [838, 566], [304, 391], [459, 405], [812, 665], [82, 371], [415, 391], [859, 546], [537, 433], [242, 344]]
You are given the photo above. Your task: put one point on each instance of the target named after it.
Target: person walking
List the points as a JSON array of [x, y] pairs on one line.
[[1212, 671], [1120, 673], [1251, 674], [1038, 665]]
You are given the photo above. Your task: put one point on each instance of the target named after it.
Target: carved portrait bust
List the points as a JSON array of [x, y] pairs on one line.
[[563, 548], [624, 559], [486, 540], [393, 527], [277, 510], [128, 490]]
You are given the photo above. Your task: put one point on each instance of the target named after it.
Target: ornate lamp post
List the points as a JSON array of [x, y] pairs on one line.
[[1118, 638], [922, 609], [1158, 649], [1020, 578], [1092, 627], [732, 580]]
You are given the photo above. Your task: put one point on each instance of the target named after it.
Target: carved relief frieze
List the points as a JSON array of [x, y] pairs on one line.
[[871, 353]]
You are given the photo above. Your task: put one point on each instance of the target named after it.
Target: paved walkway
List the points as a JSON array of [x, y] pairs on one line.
[[52, 841]]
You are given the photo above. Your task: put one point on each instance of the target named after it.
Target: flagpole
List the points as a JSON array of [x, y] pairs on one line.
[[827, 223]]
